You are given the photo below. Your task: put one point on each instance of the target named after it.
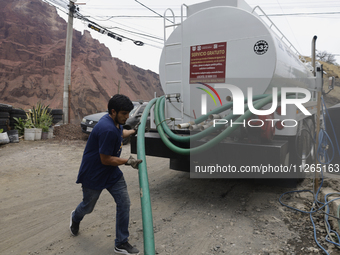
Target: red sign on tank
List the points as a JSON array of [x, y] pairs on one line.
[[208, 62]]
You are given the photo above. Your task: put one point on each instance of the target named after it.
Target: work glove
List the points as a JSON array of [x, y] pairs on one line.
[[136, 128], [133, 162]]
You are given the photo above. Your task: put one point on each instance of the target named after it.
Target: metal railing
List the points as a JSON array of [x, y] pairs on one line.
[[280, 35]]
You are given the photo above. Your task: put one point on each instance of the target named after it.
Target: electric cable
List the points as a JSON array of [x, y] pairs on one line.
[[301, 14], [46, 1], [321, 151], [289, 24], [153, 11], [110, 27], [137, 33], [77, 15], [81, 17], [143, 34], [327, 225], [64, 5], [324, 138]]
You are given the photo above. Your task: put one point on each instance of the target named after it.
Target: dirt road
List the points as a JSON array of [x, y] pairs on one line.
[[38, 192]]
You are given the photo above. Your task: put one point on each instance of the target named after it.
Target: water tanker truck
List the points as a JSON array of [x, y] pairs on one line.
[[240, 101]]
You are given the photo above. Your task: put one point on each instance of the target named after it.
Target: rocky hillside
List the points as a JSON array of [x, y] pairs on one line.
[[32, 53], [334, 96], [330, 70]]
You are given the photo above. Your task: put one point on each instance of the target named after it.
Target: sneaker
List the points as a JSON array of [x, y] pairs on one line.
[[126, 248], [74, 226]]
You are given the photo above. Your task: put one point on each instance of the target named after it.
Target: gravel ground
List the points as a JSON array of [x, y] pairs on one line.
[[190, 216]]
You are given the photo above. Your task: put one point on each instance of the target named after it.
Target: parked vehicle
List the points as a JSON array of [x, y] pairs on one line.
[[220, 51], [88, 122], [134, 119]]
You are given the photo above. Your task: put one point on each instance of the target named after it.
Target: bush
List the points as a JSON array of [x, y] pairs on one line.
[[21, 124], [40, 117]]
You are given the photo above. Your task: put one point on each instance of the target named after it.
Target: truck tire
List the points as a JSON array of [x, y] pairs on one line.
[[4, 128], [304, 146], [57, 118], [57, 115], [5, 107], [24, 117], [57, 112], [15, 111], [4, 122], [4, 115]]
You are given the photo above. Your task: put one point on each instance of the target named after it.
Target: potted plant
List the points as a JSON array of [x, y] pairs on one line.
[[3, 137], [20, 125], [40, 117], [29, 130], [25, 127], [45, 123]]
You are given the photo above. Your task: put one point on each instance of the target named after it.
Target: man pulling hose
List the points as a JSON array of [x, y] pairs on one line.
[[99, 170]]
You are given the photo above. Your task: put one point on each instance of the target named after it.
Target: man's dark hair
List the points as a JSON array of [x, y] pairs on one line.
[[119, 102]]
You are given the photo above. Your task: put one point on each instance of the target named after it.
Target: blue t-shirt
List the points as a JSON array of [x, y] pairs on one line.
[[106, 139]]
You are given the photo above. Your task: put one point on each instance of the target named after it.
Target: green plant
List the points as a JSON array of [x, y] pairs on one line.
[[45, 121], [21, 124], [39, 116]]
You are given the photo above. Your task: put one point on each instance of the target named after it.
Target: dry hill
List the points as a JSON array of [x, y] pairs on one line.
[[330, 70], [32, 53]]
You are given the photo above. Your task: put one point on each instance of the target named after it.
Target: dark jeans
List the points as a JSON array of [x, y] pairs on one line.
[[120, 194]]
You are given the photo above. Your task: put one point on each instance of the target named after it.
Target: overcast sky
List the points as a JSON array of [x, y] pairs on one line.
[[299, 29]]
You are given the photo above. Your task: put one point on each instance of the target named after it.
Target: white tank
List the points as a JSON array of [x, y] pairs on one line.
[[223, 42]]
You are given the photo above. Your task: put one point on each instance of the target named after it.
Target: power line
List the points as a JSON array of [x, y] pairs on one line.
[[93, 25], [304, 14], [274, 14], [64, 5], [309, 4], [289, 24], [142, 33], [153, 11], [129, 16], [49, 3]]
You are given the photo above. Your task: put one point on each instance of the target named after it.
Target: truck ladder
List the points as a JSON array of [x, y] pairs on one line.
[[167, 46]]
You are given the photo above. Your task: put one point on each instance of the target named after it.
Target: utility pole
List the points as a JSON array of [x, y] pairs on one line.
[[68, 59], [118, 85], [317, 180]]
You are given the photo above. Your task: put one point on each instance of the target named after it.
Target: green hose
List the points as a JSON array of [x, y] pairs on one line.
[[224, 108], [213, 141], [148, 236], [204, 133]]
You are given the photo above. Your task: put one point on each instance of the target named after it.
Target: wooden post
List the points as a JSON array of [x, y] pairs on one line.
[[317, 175], [118, 85]]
